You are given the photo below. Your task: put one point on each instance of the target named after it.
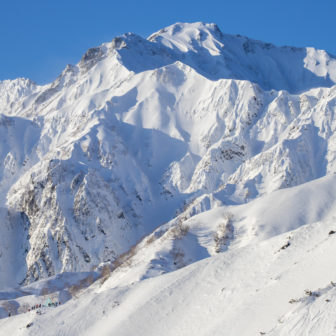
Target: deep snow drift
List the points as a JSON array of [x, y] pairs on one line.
[[150, 155]]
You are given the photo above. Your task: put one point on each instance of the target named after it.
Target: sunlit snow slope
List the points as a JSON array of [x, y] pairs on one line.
[[152, 154], [276, 279]]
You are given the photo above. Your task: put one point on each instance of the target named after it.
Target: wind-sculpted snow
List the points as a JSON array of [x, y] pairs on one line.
[[145, 132]]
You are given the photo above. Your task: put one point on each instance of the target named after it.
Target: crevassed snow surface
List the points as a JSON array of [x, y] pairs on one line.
[[176, 185]]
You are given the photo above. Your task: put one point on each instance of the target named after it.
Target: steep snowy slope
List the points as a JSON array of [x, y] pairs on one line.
[[143, 130], [277, 281], [217, 55], [187, 239]]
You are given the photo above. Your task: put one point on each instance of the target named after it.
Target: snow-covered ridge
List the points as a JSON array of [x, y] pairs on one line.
[[272, 270], [142, 129], [206, 156], [217, 55]]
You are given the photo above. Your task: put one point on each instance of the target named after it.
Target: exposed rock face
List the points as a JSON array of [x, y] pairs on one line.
[[118, 144]]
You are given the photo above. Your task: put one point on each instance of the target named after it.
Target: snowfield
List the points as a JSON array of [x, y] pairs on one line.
[[278, 283], [182, 184]]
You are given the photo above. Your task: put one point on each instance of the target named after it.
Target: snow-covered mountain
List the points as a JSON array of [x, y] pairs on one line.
[[115, 162]]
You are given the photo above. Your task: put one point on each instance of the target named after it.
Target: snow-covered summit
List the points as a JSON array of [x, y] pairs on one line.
[[217, 55], [146, 121], [116, 160]]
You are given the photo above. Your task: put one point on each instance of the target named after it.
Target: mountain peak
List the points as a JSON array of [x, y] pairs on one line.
[[215, 55], [188, 36], [152, 154], [187, 28]]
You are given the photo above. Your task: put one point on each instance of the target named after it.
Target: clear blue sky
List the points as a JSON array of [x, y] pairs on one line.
[[39, 37]]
